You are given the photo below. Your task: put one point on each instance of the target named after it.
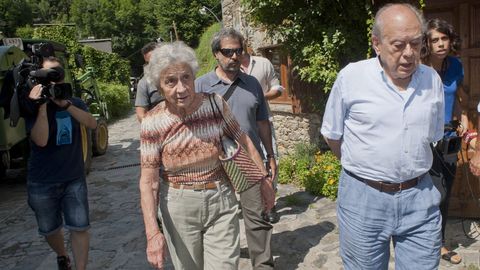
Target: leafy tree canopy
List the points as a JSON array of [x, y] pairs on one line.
[[15, 13], [129, 23], [320, 35], [187, 17]]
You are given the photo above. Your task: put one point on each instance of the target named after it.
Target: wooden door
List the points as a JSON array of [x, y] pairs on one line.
[[464, 15], [279, 62]]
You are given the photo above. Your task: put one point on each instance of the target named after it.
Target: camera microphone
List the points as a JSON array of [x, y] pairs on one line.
[[55, 74]]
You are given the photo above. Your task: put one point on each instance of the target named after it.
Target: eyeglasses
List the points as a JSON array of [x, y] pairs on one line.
[[230, 52]]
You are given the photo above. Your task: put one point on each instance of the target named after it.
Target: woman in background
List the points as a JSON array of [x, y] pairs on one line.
[[440, 44]]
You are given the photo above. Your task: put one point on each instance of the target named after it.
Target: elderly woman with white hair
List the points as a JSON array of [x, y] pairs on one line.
[[180, 139]]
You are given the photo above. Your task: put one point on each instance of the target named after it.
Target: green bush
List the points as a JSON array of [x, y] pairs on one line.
[[24, 32], [286, 170], [292, 168], [307, 167], [117, 98], [204, 51], [109, 67]]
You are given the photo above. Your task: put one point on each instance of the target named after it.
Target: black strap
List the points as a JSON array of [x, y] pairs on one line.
[[210, 97], [229, 92]]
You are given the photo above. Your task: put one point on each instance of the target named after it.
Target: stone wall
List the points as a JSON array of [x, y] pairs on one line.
[[292, 129]]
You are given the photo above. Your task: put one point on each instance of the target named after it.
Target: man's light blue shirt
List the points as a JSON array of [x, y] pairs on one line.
[[385, 134]]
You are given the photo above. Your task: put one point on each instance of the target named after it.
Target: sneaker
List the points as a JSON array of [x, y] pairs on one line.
[[63, 263]]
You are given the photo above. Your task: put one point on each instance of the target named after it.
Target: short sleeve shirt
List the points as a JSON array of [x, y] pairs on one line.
[[452, 79], [57, 163], [147, 94], [247, 101]]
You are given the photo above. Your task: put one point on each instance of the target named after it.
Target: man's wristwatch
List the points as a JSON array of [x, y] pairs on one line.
[[269, 156]]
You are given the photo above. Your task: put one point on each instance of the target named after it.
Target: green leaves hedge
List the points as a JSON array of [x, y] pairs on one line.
[[117, 98], [307, 167], [111, 71]]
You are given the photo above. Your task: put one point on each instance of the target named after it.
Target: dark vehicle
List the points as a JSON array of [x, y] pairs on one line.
[[18, 55]]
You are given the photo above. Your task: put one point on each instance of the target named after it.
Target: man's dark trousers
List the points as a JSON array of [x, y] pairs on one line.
[[257, 230]]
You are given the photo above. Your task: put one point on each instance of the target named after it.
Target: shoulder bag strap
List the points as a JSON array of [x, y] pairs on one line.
[[229, 92], [210, 97], [221, 115]]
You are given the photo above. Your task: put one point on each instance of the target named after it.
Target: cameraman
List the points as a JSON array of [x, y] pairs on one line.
[[56, 179]]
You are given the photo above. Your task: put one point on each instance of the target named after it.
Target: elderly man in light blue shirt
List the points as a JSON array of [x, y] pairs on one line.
[[380, 119]]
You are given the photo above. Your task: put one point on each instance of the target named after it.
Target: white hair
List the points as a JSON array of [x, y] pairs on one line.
[[167, 54]]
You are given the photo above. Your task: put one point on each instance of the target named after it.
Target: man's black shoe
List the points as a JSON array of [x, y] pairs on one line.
[[271, 216], [63, 263]]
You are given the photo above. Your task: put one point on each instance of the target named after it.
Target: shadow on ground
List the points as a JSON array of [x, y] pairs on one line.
[[295, 203], [291, 247]]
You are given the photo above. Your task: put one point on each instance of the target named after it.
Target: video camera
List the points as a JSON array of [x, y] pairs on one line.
[[30, 73], [451, 143], [56, 90]]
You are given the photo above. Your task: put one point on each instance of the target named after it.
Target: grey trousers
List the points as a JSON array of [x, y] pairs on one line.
[[257, 230]]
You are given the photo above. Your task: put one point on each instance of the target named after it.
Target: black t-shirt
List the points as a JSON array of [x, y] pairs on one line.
[[61, 159]]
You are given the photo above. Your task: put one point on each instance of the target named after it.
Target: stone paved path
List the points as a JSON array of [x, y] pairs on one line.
[[305, 238]]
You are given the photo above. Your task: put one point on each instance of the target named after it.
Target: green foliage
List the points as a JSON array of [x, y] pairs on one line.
[[329, 167], [50, 11], [307, 167], [109, 67], [129, 23], [188, 20], [286, 170], [321, 59], [117, 98], [117, 20], [111, 71], [14, 14], [25, 32], [370, 21], [204, 51], [62, 34], [321, 36]]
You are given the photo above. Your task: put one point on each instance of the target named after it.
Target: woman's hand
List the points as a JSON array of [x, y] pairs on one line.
[[157, 250], [268, 194]]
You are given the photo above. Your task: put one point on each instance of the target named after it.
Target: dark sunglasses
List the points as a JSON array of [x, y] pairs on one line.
[[230, 52]]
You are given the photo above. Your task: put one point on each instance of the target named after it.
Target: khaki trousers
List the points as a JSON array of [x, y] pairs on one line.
[[201, 227]]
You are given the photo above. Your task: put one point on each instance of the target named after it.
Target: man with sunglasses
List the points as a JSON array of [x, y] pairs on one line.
[[246, 100]]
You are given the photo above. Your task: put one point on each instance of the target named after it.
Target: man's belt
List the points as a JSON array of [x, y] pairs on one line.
[[386, 186]]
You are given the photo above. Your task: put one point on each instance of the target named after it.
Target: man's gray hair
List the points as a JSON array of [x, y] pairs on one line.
[[225, 33], [167, 54], [378, 23]]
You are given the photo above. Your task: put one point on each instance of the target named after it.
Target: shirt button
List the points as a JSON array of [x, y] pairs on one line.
[[406, 128], [406, 151]]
